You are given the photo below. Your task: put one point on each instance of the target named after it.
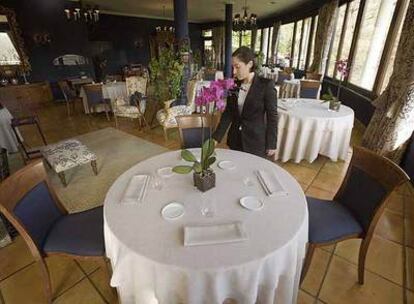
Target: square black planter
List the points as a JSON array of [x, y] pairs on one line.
[[205, 181]]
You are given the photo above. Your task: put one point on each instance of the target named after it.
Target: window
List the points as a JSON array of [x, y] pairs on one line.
[[305, 43], [297, 43], [208, 53], [389, 67], [269, 45], [235, 41], [8, 53], [313, 41], [284, 46], [246, 38], [258, 38], [373, 32], [265, 40], [335, 41], [207, 33]]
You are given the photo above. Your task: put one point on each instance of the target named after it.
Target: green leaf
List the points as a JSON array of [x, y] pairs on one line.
[[208, 148], [197, 167], [182, 169], [210, 161], [188, 156]]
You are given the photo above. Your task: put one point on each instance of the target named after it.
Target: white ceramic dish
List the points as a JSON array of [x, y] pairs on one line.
[[165, 172], [226, 165], [172, 211], [251, 203]]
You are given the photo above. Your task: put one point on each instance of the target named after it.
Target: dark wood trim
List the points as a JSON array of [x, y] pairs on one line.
[[292, 50], [310, 44], [240, 39], [341, 39], [300, 43], [261, 41], [355, 37], [392, 35]]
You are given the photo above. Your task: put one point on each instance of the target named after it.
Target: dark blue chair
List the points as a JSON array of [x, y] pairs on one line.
[[69, 95], [29, 202], [94, 98], [309, 89], [281, 77], [194, 128], [357, 206]]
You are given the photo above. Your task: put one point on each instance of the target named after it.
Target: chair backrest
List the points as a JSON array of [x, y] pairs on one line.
[[309, 89], [193, 128], [29, 202], [68, 93], [93, 93], [369, 181], [136, 84], [282, 76], [314, 76]]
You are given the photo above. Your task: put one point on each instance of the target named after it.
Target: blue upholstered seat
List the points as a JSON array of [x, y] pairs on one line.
[[192, 137], [78, 233], [330, 221], [309, 93], [95, 97]]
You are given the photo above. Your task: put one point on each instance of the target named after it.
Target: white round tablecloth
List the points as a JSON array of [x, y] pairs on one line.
[[109, 90], [306, 128], [151, 264], [290, 89], [7, 138]]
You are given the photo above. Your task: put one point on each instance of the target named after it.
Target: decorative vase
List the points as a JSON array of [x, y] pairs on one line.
[[334, 105], [206, 181]]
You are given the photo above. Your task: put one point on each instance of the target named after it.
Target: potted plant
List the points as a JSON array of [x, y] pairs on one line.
[[259, 61], [211, 99], [166, 73], [334, 102]]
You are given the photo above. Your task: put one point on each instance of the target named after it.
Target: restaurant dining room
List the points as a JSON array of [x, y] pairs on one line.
[[207, 152]]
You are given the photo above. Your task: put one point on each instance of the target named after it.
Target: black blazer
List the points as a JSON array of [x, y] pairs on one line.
[[256, 127]]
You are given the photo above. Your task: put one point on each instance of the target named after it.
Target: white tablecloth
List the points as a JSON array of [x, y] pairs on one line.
[[150, 262], [7, 138], [109, 90], [290, 89], [307, 129]]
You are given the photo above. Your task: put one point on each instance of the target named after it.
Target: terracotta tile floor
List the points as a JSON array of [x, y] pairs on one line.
[[332, 277]]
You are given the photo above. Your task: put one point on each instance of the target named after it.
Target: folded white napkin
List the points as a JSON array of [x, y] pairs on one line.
[[271, 183], [136, 189], [214, 234]]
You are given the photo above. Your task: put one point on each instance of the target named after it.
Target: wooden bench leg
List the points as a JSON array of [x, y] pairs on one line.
[[94, 167], [62, 178]]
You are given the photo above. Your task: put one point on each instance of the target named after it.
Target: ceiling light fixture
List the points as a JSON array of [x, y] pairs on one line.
[[245, 22], [164, 28], [77, 12]]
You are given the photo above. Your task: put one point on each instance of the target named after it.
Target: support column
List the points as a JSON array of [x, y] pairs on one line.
[[182, 37], [181, 19], [228, 39]]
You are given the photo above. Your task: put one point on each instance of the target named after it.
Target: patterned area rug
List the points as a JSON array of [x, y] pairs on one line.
[[116, 152]]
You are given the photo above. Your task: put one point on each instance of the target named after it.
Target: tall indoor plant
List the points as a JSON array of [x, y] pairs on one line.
[[210, 100]]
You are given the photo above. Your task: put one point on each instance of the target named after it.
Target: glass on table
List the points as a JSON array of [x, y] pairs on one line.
[[157, 182], [207, 207]]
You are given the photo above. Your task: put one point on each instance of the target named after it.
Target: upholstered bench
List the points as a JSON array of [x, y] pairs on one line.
[[68, 154]]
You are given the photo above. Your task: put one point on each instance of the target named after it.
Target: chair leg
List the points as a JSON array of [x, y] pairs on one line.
[[363, 250], [68, 108], [94, 167], [106, 113], [46, 277], [307, 262], [165, 134], [116, 121]]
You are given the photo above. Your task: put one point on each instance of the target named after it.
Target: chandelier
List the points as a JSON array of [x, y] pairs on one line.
[[245, 22], [164, 28], [78, 12]]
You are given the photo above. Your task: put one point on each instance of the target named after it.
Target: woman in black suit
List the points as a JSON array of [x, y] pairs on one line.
[[252, 113]]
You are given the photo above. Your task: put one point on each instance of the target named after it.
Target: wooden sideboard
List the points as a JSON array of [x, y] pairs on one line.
[[25, 99]]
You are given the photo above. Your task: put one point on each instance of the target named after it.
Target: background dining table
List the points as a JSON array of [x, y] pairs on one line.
[[306, 128], [8, 139], [151, 264]]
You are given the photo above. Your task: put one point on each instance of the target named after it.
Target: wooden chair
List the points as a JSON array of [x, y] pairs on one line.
[[28, 153], [29, 202], [167, 116], [193, 128], [314, 76], [132, 109], [309, 89], [94, 98], [357, 206], [281, 77], [69, 95]]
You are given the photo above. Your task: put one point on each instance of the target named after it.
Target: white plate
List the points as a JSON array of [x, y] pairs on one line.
[[251, 203], [165, 172], [226, 165], [172, 211]]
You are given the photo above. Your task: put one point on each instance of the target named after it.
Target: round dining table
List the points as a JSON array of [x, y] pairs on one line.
[[152, 263], [306, 128]]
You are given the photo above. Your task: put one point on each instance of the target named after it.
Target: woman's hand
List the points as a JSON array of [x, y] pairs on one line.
[[270, 152]]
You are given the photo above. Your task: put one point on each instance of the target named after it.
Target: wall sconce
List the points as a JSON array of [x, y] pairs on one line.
[[42, 38]]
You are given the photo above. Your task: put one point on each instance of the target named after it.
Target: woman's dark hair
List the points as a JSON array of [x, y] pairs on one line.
[[245, 55]]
